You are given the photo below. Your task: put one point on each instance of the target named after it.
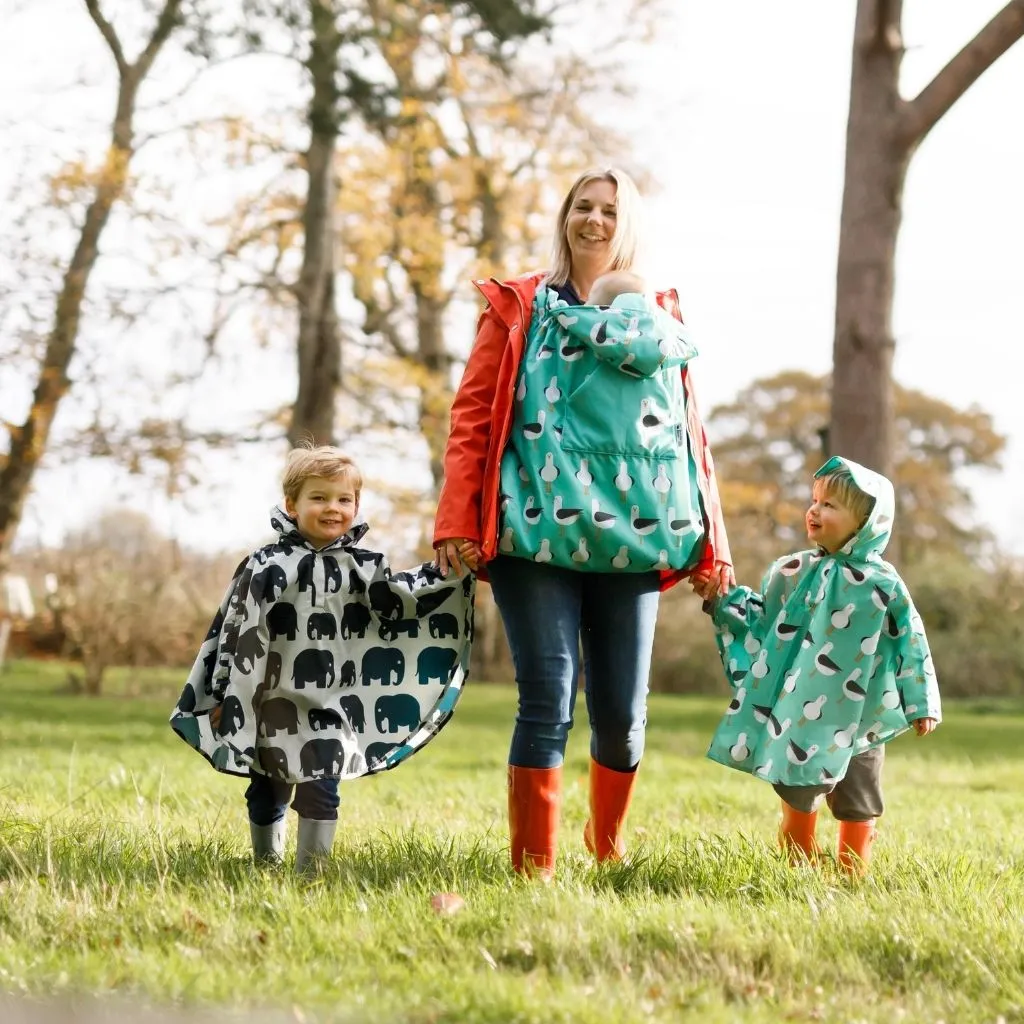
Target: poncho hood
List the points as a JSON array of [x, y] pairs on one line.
[[634, 334], [873, 537]]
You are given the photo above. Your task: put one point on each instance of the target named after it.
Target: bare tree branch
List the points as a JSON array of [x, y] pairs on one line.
[[962, 71], [109, 34]]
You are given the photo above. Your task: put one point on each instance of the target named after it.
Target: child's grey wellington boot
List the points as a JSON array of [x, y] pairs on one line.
[[267, 842], [313, 843]]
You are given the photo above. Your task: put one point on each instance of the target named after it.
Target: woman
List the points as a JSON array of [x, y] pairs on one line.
[[578, 479]]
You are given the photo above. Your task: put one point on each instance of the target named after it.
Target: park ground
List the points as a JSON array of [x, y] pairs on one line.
[[125, 880]]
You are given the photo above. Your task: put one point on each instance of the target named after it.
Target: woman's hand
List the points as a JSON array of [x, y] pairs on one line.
[[454, 552], [714, 583], [923, 726]]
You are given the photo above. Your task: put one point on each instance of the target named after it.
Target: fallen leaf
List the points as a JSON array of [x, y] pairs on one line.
[[447, 903]]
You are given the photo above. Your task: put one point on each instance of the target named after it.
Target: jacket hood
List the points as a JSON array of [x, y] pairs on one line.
[[288, 529], [871, 540]]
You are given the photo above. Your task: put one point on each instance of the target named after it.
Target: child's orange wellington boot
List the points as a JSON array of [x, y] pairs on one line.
[[855, 840], [796, 834]]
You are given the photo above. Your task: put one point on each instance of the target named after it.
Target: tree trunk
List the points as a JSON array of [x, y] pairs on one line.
[[876, 167], [28, 440], [882, 134], [319, 345]]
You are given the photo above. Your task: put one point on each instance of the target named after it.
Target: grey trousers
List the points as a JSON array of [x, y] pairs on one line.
[[857, 796]]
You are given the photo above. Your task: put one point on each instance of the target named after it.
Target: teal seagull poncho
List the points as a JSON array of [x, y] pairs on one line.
[[830, 659]]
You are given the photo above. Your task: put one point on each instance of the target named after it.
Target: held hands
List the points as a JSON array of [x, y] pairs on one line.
[[710, 584], [456, 553], [923, 726]]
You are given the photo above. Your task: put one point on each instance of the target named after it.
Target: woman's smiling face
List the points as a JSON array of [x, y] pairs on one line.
[[590, 226]]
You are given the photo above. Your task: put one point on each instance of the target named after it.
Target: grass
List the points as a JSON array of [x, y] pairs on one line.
[[125, 872]]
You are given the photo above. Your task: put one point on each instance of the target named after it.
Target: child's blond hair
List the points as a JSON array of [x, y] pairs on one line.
[[324, 461], [841, 485]]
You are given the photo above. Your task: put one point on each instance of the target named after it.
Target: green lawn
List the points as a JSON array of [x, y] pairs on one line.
[[124, 869]]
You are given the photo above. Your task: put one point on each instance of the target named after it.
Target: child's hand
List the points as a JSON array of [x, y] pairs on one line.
[[923, 726], [215, 717], [470, 553], [700, 583]]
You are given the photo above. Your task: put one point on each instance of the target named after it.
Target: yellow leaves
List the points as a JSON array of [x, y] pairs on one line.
[[77, 182]]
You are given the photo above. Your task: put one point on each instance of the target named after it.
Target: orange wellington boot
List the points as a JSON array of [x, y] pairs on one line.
[[610, 795], [534, 798], [796, 834], [855, 840]]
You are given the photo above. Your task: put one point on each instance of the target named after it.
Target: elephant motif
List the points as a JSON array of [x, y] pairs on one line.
[[218, 621], [282, 621], [396, 711], [435, 663], [383, 663], [332, 575], [443, 625], [431, 602], [364, 557], [355, 620], [384, 601], [268, 584], [313, 666], [390, 628], [187, 700], [347, 676], [378, 751], [232, 717], [304, 571], [248, 650], [352, 707], [324, 718], [356, 584], [274, 762], [322, 758], [272, 677], [209, 665], [278, 715], [321, 626]]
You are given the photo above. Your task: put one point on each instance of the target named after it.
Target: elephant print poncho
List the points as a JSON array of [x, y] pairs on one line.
[[828, 660], [324, 663]]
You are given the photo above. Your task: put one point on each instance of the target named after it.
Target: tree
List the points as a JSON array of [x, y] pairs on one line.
[[768, 444], [883, 133], [340, 42], [107, 184]]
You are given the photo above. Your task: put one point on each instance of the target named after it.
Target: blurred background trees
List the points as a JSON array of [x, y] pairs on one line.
[[326, 234]]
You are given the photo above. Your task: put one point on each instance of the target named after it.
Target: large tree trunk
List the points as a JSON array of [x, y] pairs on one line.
[[319, 344], [882, 134], [28, 440], [876, 166]]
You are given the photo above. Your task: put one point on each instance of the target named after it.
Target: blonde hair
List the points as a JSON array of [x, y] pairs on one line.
[[841, 485], [325, 461], [613, 284], [625, 241]]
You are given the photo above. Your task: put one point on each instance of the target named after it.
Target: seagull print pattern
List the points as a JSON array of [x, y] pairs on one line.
[[598, 473], [828, 660]]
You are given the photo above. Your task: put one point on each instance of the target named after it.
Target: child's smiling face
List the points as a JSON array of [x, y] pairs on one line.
[[830, 524], [324, 509]]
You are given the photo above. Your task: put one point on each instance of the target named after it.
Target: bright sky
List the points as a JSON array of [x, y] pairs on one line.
[[741, 118]]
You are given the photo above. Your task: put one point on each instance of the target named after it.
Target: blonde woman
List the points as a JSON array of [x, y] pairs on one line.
[[578, 481]]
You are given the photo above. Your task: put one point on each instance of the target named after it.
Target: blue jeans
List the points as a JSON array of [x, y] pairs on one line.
[[547, 612], [268, 799]]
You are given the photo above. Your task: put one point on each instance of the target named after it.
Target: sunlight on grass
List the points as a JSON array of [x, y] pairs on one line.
[[124, 869]]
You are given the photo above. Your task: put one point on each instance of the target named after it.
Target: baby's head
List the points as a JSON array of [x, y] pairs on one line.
[[610, 286], [321, 492], [838, 510]]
